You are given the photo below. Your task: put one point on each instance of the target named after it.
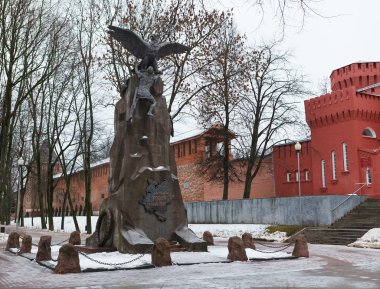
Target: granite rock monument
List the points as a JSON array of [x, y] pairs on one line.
[[145, 201]]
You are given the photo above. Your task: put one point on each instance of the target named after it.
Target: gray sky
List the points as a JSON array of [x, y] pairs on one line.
[[347, 34]]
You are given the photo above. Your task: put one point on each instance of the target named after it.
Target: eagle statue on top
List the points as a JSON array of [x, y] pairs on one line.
[[151, 52]]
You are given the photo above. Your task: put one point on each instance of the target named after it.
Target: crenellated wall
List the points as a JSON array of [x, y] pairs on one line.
[[338, 121], [356, 74]]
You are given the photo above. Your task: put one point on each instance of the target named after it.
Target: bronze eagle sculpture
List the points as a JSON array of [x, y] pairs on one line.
[[148, 52]]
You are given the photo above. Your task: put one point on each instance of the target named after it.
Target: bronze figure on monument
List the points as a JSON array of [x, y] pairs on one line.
[[145, 201]]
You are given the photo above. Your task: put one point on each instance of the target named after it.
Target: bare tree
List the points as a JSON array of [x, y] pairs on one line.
[[87, 40], [218, 103], [285, 10], [181, 21], [268, 109], [25, 64]]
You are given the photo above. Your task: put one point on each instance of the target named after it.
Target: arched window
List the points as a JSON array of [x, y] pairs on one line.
[[369, 132], [333, 164], [345, 157], [323, 174]]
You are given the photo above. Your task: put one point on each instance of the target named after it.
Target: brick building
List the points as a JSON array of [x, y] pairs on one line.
[[340, 158], [191, 151], [342, 155]]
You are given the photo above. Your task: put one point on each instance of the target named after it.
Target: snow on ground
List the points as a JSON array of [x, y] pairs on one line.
[[117, 260], [69, 223], [217, 230], [371, 239], [3, 240], [229, 230]]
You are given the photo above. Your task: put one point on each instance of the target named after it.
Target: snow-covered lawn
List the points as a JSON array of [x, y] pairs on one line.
[[217, 230], [371, 239]]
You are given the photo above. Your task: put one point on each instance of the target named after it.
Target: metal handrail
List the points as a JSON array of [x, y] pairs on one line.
[[353, 194]]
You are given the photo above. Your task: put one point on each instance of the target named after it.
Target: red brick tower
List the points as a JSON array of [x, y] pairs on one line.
[[345, 127]]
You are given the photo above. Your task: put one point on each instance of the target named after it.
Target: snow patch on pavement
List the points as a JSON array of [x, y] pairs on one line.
[[371, 239]]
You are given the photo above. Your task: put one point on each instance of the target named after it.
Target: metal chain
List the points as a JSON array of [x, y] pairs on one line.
[[111, 264], [270, 246], [64, 241], [268, 252]]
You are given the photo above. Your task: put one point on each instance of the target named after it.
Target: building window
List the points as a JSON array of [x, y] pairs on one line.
[[288, 177], [297, 177], [207, 151], [369, 132], [333, 164], [220, 148], [345, 157], [368, 176], [307, 176], [323, 174], [102, 196]]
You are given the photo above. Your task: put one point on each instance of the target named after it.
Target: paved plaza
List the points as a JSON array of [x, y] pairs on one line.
[[328, 267]]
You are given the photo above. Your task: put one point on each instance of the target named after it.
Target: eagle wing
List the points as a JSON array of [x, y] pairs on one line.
[[129, 40], [168, 48]]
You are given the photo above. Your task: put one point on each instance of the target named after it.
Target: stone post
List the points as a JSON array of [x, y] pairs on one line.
[[300, 247], [207, 236], [68, 260], [248, 241], [161, 253], [75, 238], [26, 244], [44, 249], [236, 249], [13, 240]]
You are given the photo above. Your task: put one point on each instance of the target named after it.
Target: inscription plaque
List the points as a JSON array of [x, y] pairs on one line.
[[156, 199]]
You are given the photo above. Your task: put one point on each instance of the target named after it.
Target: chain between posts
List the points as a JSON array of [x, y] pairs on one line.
[[116, 264], [59, 243], [271, 246], [268, 252]]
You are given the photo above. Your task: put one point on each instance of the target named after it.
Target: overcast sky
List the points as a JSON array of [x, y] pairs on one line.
[[345, 35]]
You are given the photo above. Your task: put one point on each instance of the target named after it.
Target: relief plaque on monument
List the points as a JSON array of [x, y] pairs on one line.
[[145, 201], [156, 199]]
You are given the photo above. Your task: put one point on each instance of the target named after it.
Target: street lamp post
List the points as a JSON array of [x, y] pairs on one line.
[[297, 147], [20, 163]]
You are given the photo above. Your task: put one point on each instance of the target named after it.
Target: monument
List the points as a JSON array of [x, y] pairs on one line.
[[145, 201]]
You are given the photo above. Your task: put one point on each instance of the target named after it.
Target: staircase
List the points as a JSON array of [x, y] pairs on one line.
[[350, 227]]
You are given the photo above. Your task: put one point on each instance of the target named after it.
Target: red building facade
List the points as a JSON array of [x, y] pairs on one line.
[[342, 156], [192, 153]]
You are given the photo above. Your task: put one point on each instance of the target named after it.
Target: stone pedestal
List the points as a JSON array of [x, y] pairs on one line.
[[13, 241], [68, 260], [161, 253], [236, 249], [26, 244], [145, 201], [44, 249]]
